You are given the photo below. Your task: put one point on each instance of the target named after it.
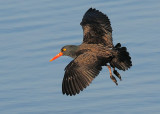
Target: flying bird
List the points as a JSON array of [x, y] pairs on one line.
[[96, 50]]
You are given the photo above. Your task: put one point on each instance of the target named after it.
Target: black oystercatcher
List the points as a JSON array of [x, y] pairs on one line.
[[97, 50]]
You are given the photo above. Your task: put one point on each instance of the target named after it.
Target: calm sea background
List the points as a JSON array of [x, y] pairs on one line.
[[33, 31]]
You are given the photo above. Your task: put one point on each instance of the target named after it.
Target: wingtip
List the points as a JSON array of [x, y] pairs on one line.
[[92, 9], [70, 94]]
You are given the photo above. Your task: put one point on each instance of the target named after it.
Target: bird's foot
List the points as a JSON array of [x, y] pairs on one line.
[[117, 74], [113, 79]]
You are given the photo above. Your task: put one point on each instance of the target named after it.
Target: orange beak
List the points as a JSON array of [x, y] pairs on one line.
[[55, 57]]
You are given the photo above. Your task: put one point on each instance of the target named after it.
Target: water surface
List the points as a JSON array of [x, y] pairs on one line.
[[32, 32]]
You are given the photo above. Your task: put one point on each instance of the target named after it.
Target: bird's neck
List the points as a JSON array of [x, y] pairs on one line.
[[73, 51]]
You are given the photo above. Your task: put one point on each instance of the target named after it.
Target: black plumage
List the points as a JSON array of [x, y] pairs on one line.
[[97, 50], [96, 28]]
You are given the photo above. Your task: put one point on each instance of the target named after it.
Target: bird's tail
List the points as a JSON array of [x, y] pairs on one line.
[[122, 60]]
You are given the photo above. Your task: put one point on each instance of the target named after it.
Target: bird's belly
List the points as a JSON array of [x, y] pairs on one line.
[[104, 60]]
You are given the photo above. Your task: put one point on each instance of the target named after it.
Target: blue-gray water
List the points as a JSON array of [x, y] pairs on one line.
[[33, 31]]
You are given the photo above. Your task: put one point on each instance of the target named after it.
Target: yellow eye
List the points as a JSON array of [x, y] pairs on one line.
[[64, 49]]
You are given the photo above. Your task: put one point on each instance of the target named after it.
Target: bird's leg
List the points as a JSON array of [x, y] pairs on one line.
[[111, 76], [117, 74]]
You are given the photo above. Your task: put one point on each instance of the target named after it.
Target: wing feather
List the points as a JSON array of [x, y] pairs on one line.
[[96, 28], [79, 73]]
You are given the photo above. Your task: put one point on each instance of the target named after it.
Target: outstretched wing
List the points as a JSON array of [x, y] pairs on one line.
[[96, 28], [79, 73]]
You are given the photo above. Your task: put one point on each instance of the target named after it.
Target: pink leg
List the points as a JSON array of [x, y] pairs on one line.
[[111, 76]]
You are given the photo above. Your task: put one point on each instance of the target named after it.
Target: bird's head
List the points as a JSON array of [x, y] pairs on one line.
[[68, 50]]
